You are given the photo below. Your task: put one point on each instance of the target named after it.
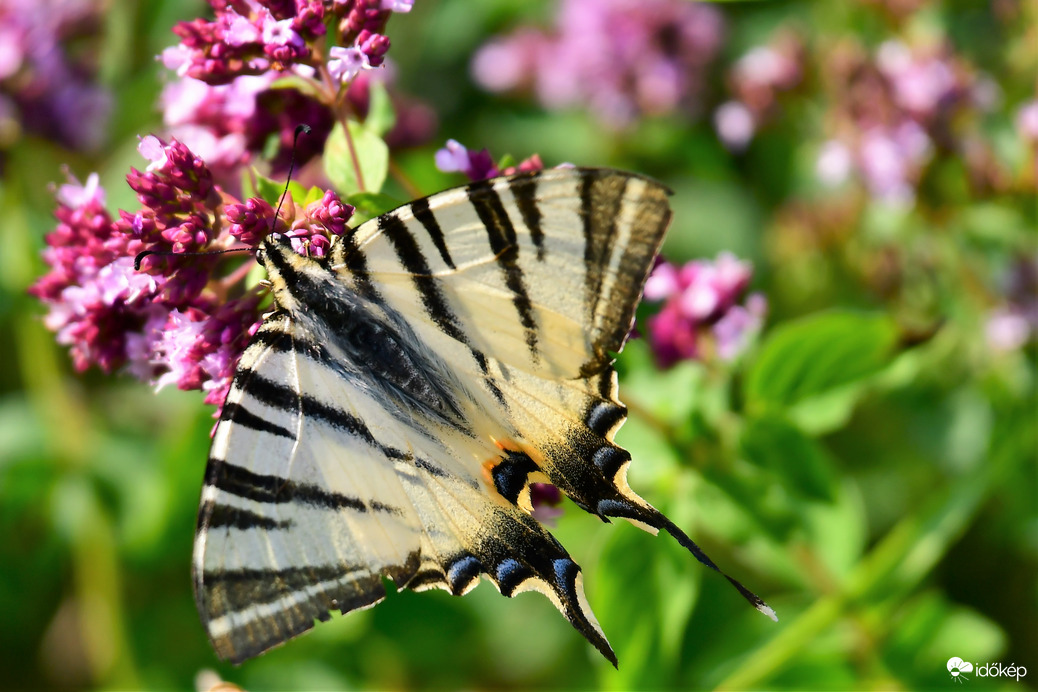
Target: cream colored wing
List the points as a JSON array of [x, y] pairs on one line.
[[388, 418]]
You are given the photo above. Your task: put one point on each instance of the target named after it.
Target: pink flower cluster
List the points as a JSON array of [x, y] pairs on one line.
[[179, 319], [228, 103], [229, 124], [41, 86], [702, 314], [894, 111], [479, 165], [250, 37], [619, 59], [756, 81]]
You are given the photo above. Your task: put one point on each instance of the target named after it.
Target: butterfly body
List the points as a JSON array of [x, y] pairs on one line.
[[390, 413]]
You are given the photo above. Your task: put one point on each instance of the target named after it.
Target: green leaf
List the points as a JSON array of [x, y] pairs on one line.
[[312, 195], [381, 116], [818, 354], [371, 204], [667, 583], [307, 87], [268, 189], [372, 159], [802, 463]]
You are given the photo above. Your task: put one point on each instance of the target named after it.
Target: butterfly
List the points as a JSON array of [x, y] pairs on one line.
[[393, 409]]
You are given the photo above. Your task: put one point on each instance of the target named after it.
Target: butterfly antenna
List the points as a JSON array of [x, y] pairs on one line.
[[165, 253], [300, 129]]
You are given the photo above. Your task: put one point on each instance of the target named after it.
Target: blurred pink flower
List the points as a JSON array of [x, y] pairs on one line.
[[889, 160], [42, 88], [756, 81], [895, 111], [1027, 121], [734, 124], [1015, 323], [619, 59], [834, 163], [701, 314]]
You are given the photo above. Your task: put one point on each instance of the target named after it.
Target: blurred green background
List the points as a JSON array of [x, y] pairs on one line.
[[868, 467]]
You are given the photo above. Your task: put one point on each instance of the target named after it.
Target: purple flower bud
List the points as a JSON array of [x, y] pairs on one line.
[[309, 18], [527, 165], [454, 157], [251, 221], [189, 236], [672, 336], [374, 46], [330, 212], [364, 14]]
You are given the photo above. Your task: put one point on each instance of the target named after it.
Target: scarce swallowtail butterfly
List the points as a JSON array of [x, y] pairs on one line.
[[389, 415]]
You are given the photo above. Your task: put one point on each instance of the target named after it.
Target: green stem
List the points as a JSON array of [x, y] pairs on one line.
[[334, 94], [353, 154], [405, 182]]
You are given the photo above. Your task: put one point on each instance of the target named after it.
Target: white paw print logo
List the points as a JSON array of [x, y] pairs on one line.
[[957, 667]]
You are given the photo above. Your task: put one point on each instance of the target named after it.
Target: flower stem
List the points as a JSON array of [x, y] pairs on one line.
[[353, 154], [341, 108], [405, 181]]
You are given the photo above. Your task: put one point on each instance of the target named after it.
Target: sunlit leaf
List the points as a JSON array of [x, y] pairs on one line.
[[372, 159], [371, 204], [381, 115], [817, 354]]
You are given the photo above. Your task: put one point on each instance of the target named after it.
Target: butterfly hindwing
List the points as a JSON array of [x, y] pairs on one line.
[[388, 417]]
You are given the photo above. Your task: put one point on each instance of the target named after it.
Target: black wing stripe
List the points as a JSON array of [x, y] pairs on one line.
[[524, 190], [424, 215], [504, 243], [356, 261], [239, 415], [293, 577], [285, 398], [239, 481], [224, 516], [435, 303], [414, 262], [600, 209]]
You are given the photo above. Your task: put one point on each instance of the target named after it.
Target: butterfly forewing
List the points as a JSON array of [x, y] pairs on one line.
[[390, 414]]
